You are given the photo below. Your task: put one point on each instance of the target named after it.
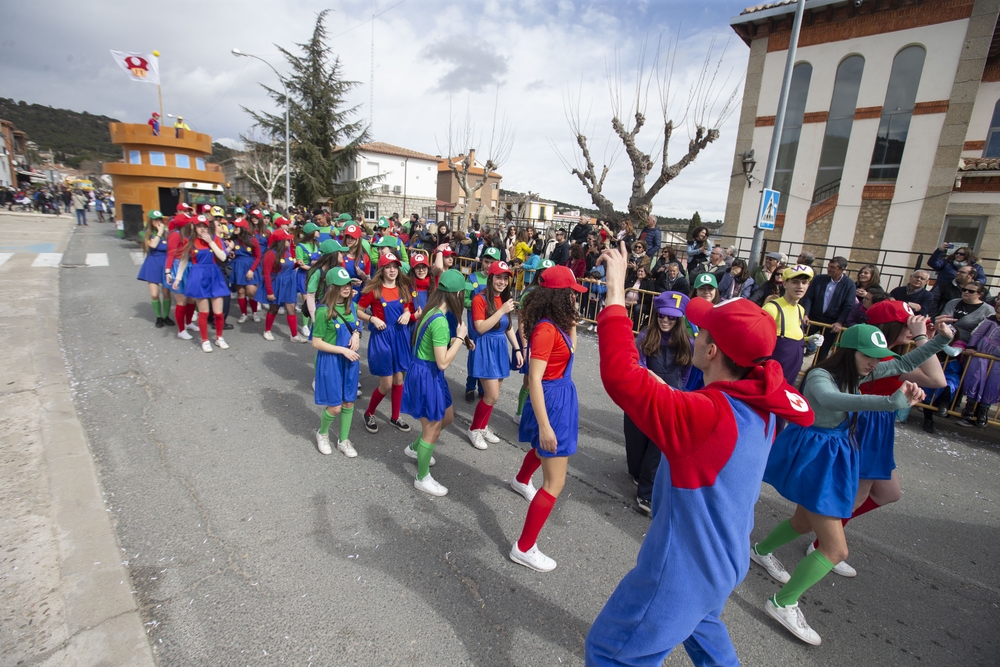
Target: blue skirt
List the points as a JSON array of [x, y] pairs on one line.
[[152, 268], [336, 379], [425, 391], [240, 265], [389, 350], [816, 468], [173, 276], [300, 280], [283, 284], [491, 358], [205, 281], [877, 433], [563, 408]]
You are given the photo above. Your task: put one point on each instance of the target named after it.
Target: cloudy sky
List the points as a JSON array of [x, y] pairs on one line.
[[540, 58]]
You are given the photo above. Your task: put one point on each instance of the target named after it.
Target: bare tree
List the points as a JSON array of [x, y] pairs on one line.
[[263, 164], [704, 111]]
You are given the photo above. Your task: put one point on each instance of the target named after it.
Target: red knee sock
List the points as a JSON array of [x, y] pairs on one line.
[[269, 320], [293, 324], [253, 306], [864, 508], [179, 316], [243, 306], [482, 416], [220, 324], [528, 467], [188, 313], [377, 397], [538, 513], [397, 400], [203, 325]]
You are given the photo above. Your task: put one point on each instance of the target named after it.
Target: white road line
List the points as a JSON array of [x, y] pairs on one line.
[[97, 259], [49, 259], [137, 257], [4, 256]]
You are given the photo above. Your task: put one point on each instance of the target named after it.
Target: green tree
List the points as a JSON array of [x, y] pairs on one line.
[[324, 139], [695, 223]]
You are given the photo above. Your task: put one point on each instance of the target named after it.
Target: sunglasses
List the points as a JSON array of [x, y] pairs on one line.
[[670, 318], [970, 291]]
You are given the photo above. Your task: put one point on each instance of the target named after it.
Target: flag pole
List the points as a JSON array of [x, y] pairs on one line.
[[159, 91]]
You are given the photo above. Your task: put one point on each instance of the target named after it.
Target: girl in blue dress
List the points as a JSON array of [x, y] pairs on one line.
[[522, 395], [246, 266], [492, 317], [425, 394], [261, 233], [205, 281], [551, 419], [154, 246], [420, 273], [356, 259], [307, 253], [280, 282], [336, 337]]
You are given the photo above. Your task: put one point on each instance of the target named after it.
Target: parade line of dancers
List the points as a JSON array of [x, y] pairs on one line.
[[708, 390]]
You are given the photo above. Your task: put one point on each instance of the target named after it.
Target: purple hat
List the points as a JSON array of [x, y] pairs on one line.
[[671, 303]]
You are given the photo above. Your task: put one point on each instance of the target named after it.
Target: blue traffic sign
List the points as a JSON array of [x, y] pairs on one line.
[[768, 209]]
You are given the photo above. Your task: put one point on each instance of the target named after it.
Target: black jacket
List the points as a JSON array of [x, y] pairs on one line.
[[560, 256], [841, 302], [678, 284]]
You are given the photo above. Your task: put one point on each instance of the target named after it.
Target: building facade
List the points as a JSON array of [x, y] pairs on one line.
[[409, 181], [891, 128], [15, 155], [484, 206], [238, 184]]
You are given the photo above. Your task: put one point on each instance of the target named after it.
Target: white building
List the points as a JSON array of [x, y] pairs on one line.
[[891, 139], [408, 185]]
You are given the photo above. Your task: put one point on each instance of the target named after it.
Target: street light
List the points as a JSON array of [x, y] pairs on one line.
[[748, 164], [288, 188]]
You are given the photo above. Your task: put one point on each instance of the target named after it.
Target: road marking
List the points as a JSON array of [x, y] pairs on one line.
[[4, 256], [137, 257], [50, 259], [97, 259]]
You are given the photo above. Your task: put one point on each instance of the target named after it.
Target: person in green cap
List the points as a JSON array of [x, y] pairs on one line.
[[425, 390], [385, 239], [154, 246], [817, 467], [330, 253], [477, 283], [336, 338], [306, 253], [704, 286]]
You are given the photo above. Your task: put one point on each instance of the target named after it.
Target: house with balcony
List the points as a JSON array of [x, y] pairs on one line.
[[484, 206], [890, 144], [15, 155], [408, 184]]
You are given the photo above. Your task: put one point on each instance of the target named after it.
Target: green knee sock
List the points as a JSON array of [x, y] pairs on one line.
[[424, 453], [325, 420], [346, 415], [522, 396], [782, 534], [156, 308], [809, 571]]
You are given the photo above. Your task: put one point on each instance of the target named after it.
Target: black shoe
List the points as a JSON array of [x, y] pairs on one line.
[[928, 426], [159, 323], [227, 326], [400, 424], [967, 422], [644, 506], [943, 411], [470, 396], [370, 424], [169, 322]]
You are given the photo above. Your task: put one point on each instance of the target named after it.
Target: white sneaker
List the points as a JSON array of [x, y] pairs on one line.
[[792, 618], [314, 385], [241, 319], [192, 325], [281, 310], [489, 436], [477, 439], [412, 453], [299, 338], [360, 392], [256, 317], [206, 346], [532, 558], [221, 344], [841, 568], [770, 563], [347, 448], [516, 419], [323, 443], [304, 331], [429, 485], [184, 335], [268, 335], [527, 490]]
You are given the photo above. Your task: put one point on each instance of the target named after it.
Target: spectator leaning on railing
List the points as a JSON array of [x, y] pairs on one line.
[[915, 293]]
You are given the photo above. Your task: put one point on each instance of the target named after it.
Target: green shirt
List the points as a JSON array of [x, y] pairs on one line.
[[326, 328], [303, 250], [313, 284], [436, 335]]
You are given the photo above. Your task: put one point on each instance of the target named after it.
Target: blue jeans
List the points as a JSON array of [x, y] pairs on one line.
[[81, 217]]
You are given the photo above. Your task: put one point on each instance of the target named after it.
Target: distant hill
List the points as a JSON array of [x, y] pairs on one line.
[[74, 136]]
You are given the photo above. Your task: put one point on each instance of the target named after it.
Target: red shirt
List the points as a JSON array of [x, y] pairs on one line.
[[388, 294], [479, 306], [547, 344]]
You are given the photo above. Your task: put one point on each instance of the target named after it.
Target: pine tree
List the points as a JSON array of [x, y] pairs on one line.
[[694, 224], [324, 140]]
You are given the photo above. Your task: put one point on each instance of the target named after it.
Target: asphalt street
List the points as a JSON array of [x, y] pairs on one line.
[[247, 547]]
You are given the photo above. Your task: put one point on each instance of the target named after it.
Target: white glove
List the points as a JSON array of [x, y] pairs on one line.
[[816, 339]]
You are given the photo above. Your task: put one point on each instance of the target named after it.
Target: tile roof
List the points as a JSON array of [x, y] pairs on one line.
[[769, 5], [474, 169], [388, 149], [979, 164]]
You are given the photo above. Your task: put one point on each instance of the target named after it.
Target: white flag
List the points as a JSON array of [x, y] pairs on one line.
[[144, 67]]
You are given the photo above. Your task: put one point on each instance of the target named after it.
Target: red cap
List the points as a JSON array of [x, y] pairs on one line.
[[183, 207], [447, 252], [279, 235], [560, 277], [255, 212], [418, 259], [499, 268], [205, 208], [884, 312], [242, 224], [200, 220], [156, 114], [280, 222], [388, 258], [354, 231], [744, 332]]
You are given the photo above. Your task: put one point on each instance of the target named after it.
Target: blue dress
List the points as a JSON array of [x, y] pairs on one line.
[[425, 390], [302, 273], [816, 468], [205, 279], [153, 266], [491, 358], [336, 377], [563, 409], [877, 432], [389, 349], [283, 282], [351, 266], [242, 260]]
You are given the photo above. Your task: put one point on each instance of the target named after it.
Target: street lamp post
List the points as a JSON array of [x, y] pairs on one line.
[[288, 171]]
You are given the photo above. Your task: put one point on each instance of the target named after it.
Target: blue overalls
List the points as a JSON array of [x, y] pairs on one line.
[[389, 349], [562, 406]]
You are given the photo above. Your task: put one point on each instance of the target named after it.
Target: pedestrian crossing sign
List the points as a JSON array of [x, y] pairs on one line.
[[768, 209]]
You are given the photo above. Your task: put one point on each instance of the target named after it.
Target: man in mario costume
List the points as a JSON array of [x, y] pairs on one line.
[[715, 443]]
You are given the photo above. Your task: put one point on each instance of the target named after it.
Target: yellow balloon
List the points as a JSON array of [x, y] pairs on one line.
[[156, 53]]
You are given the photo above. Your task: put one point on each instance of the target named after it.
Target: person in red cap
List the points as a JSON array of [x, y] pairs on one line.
[[246, 276], [280, 282], [154, 123], [356, 259], [420, 273], [551, 419], [180, 233], [715, 443], [204, 282]]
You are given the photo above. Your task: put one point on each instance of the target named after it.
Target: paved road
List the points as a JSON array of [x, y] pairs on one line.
[[247, 547]]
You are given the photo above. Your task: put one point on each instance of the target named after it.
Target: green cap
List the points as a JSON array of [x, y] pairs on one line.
[[382, 222], [452, 281], [386, 242], [706, 280], [491, 253], [866, 339], [310, 227], [275, 216], [330, 246], [155, 215], [345, 216], [546, 264], [239, 211], [338, 276]]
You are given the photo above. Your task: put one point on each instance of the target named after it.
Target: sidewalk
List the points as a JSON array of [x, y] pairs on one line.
[[66, 596]]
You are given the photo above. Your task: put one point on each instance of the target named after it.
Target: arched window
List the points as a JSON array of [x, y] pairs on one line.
[[838, 128], [790, 131], [993, 137], [896, 113]]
